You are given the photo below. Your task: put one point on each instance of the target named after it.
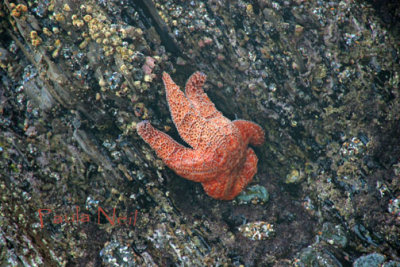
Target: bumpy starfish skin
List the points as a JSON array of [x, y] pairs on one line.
[[219, 157]]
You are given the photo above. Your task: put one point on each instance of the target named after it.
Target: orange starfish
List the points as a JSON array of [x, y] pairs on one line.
[[219, 157]]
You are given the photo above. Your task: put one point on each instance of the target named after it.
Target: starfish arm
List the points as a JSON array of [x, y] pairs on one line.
[[227, 188], [251, 132], [187, 120], [216, 188], [199, 99], [186, 162], [246, 174]]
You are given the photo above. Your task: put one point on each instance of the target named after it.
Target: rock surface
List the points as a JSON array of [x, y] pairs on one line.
[[322, 79]]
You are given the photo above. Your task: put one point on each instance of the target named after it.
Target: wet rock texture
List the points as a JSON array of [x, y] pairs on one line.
[[322, 78]]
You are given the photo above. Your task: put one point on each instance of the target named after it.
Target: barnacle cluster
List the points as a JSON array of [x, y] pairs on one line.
[[259, 230], [351, 149], [18, 10], [35, 39], [394, 206]]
